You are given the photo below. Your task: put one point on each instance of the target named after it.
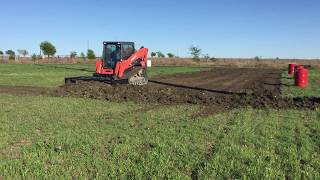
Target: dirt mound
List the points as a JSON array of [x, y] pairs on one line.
[[175, 95]]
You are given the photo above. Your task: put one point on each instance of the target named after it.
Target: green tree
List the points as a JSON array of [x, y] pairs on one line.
[[257, 58], [90, 54], [48, 49], [153, 54], [170, 55], [1, 53], [23, 52], [160, 54], [195, 52], [34, 57], [11, 54], [73, 54], [83, 56]]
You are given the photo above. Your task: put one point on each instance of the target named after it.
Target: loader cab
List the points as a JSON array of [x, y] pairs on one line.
[[116, 51]]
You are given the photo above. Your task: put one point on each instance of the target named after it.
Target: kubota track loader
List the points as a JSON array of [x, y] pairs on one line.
[[120, 63]]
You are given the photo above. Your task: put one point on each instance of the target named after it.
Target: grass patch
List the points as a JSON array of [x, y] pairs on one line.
[[41, 75], [313, 90], [267, 144], [52, 75], [125, 140]]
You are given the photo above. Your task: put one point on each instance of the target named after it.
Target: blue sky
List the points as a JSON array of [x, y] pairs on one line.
[[221, 28]]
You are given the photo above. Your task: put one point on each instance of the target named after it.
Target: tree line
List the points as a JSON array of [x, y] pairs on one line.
[[194, 51], [159, 54], [49, 50]]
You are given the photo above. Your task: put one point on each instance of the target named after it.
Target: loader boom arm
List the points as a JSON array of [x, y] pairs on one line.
[[139, 58]]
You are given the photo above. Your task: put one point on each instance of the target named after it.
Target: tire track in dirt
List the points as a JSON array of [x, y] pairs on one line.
[[25, 90]]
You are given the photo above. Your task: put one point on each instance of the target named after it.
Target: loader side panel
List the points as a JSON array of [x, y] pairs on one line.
[[98, 66], [101, 70]]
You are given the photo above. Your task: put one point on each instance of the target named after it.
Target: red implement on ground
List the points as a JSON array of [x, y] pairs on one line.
[[120, 63]]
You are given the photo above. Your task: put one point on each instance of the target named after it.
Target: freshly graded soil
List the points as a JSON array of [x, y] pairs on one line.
[[219, 89]]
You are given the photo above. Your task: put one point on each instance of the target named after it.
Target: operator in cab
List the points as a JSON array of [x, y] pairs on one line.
[[116, 56]]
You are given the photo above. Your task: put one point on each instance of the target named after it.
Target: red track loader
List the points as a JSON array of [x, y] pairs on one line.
[[120, 63]]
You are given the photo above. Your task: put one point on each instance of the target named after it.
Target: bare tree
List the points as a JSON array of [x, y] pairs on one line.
[[195, 52]]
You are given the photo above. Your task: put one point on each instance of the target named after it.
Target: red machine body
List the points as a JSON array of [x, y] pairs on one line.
[[123, 64], [120, 63], [100, 70]]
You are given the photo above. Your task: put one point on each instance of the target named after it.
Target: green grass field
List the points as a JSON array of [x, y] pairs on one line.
[[107, 140], [52, 75], [289, 90]]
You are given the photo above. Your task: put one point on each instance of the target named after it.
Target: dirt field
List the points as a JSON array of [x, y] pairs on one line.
[[218, 90], [227, 81]]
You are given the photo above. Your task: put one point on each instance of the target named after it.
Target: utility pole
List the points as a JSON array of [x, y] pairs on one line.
[[87, 45]]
